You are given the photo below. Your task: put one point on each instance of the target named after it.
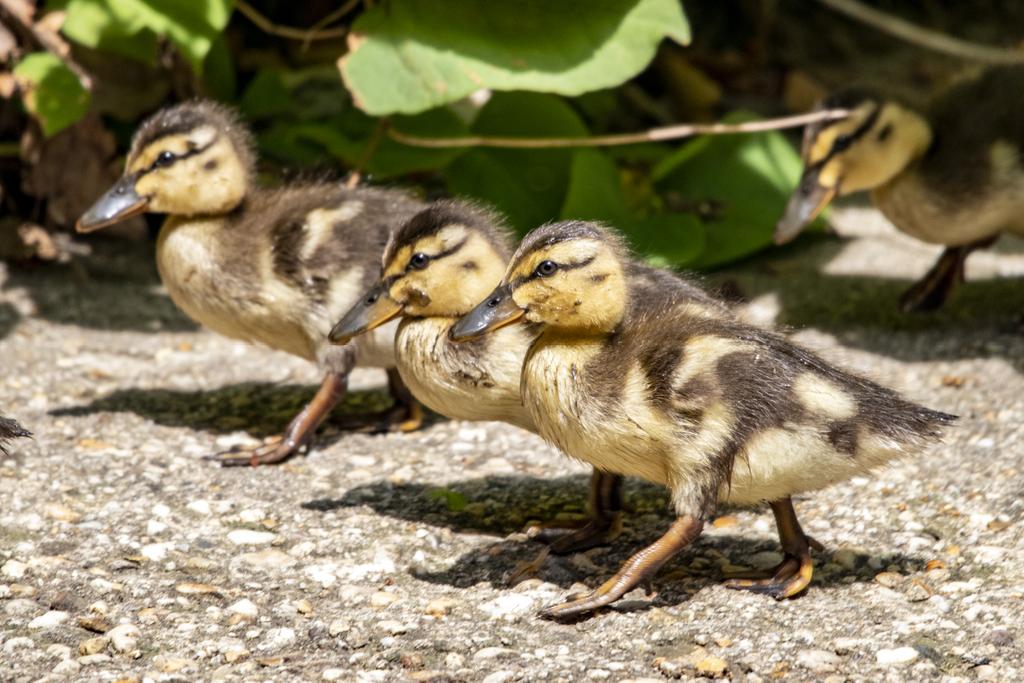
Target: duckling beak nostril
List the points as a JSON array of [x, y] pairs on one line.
[[120, 202], [497, 310], [371, 311]]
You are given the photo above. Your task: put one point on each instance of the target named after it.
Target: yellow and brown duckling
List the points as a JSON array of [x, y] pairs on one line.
[[10, 429], [953, 175], [435, 269], [642, 383], [270, 266]]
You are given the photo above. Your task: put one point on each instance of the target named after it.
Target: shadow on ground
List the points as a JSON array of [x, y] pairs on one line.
[[9, 319], [984, 317], [503, 505], [115, 287], [259, 408]]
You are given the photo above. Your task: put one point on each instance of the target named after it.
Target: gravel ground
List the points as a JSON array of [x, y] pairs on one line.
[[388, 557]]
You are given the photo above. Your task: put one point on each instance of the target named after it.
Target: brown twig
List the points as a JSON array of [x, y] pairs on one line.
[[47, 38], [328, 20], [923, 37], [307, 35], [652, 135]]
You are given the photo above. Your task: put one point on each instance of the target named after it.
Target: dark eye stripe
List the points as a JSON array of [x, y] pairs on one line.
[[843, 142], [157, 164], [523, 279], [433, 257]]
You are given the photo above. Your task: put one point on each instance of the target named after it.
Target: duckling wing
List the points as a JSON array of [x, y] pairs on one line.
[[10, 429]]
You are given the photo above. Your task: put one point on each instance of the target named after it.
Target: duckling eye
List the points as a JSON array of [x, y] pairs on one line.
[[841, 143], [165, 158], [419, 261], [546, 268]]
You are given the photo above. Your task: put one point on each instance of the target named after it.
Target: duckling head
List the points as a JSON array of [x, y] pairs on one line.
[[567, 275], [190, 159], [438, 264], [865, 150]]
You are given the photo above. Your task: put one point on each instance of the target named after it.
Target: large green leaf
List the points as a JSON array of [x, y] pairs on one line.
[[309, 118], [527, 185], [412, 55], [51, 91], [738, 185], [129, 27], [595, 191]]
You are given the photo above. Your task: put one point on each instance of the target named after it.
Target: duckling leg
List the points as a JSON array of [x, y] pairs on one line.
[[299, 431], [408, 412], [793, 574], [934, 288], [604, 517], [641, 566]]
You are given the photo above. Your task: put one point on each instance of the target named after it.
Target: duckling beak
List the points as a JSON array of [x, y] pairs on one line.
[[120, 202], [497, 310], [371, 311], [809, 199]]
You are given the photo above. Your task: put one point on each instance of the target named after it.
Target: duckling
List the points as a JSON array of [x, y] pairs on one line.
[[435, 268], [953, 175], [270, 266], [10, 429], [641, 383]]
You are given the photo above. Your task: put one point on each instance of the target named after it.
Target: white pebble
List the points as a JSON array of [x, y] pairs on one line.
[[199, 506], [250, 537], [332, 674], [156, 551], [49, 620], [154, 528], [245, 607], [899, 656], [14, 569], [124, 637], [161, 510], [498, 677], [278, 638]]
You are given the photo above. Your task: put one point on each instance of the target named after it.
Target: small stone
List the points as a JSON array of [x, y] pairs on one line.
[[59, 650], [889, 579], [493, 653], [155, 528], [124, 637], [333, 674], [91, 646], [21, 607], [337, 627], [61, 513], [156, 551], [251, 537], [382, 599], [440, 606], [391, 626], [900, 656], [98, 658], [918, 592], [509, 606], [269, 559], [498, 677], [712, 666], [986, 672], [94, 623], [169, 665], [278, 638], [67, 667], [51, 619], [13, 569], [304, 607], [18, 643], [819, 661], [453, 660], [200, 507], [245, 607], [189, 588], [235, 654]]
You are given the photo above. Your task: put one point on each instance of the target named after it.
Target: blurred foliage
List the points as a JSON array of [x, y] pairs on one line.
[[442, 68]]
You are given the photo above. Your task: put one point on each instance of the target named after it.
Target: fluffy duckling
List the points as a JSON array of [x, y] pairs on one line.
[[436, 267], [639, 382], [10, 429], [275, 267], [953, 175]]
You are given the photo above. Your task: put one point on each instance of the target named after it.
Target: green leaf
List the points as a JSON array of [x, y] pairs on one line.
[[528, 185], [595, 191], [122, 26], [90, 23], [413, 55], [669, 239], [737, 184], [51, 91]]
